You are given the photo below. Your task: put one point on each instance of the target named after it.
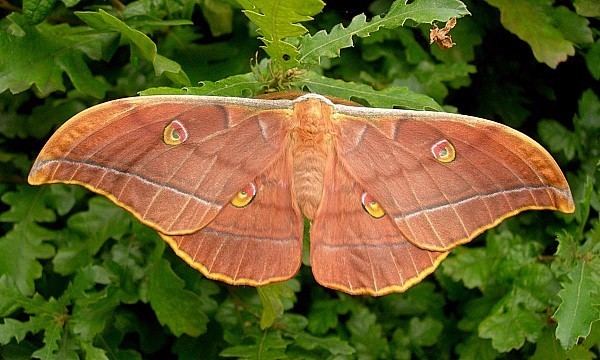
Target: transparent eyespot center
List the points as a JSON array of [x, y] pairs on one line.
[[371, 206], [175, 133], [443, 151], [244, 196]]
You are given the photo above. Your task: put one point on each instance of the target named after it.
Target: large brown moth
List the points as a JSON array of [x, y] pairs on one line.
[[226, 182]]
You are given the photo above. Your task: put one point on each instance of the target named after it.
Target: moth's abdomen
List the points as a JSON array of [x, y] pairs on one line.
[[309, 169], [311, 144]]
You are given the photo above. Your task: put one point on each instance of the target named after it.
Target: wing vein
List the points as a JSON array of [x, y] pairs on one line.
[[372, 270], [396, 266], [178, 215], [216, 255], [157, 193], [471, 198], [139, 177], [237, 270]]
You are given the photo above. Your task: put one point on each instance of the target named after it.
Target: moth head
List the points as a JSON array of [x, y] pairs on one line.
[[244, 196], [175, 133], [371, 206], [443, 151]]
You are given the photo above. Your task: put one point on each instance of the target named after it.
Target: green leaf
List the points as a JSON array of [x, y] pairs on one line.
[[573, 27], [40, 121], [129, 261], [153, 10], [12, 328], [91, 313], [390, 97], [80, 75], [243, 85], [548, 31], [558, 138], [332, 344], [203, 287], [292, 323], [163, 90], [323, 316], [20, 250], [274, 298], [579, 307], [433, 80], [103, 220], [62, 198], [9, 301], [589, 110], [87, 232], [401, 344], [93, 353], [589, 8], [36, 10], [219, 16], [583, 205], [323, 44], [143, 45], [52, 336], [422, 299], [269, 345], [151, 23], [174, 306], [424, 332], [581, 353], [476, 348], [589, 344], [48, 316], [566, 253], [366, 334], [28, 204], [516, 318], [85, 279], [476, 310], [36, 54], [547, 348], [471, 266], [70, 3], [19, 161], [280, 19]]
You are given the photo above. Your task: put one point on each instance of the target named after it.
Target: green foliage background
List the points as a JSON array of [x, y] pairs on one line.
[[80, 278]]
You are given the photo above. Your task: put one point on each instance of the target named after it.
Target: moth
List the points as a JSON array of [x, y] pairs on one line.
[[227, 181]]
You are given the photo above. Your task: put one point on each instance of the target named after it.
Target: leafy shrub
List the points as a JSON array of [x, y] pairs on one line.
[[80, 278]]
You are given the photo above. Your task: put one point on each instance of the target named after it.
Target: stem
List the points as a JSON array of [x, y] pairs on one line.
[[4, 4], [13, 179], [546, 258], [118, 5]]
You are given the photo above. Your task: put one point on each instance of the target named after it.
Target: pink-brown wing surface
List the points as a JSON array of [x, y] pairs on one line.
[[445, 178], [251, 245], [356, 253], [173, 161]]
